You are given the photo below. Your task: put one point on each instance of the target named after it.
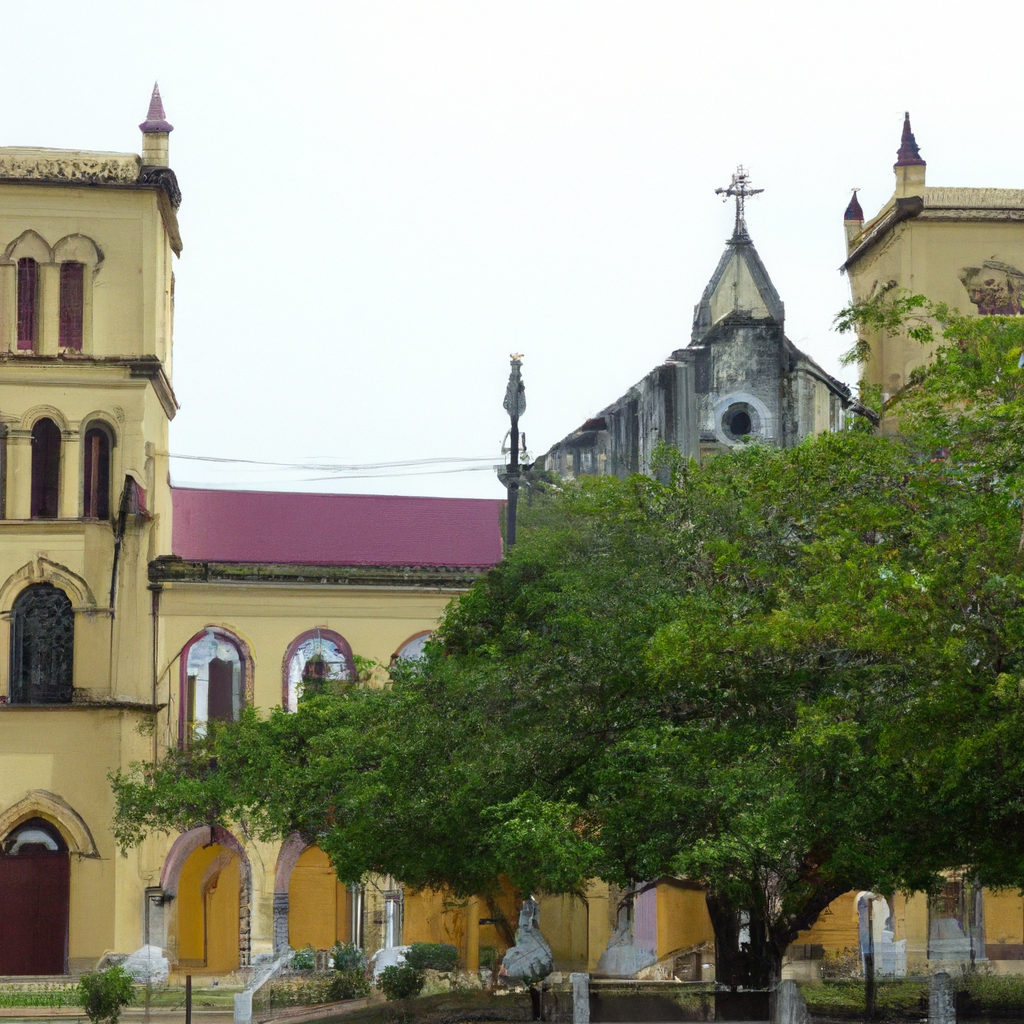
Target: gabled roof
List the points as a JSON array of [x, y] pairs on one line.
[[287, 528], [740, 286]]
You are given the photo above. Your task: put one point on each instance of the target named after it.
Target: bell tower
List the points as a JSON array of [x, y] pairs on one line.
[[87, 243]]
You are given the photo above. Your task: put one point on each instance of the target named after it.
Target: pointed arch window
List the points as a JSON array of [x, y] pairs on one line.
[[72, 304], [313, 661], [42, 646], [215, 670], [28, 303], [96, 478], [45, 469]]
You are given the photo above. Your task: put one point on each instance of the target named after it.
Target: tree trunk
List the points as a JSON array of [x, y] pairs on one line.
[[747, 962]]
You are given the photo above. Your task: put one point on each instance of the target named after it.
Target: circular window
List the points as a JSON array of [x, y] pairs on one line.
[[740, 420]]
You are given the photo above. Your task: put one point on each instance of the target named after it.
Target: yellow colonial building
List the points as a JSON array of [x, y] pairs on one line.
[[136, 613]]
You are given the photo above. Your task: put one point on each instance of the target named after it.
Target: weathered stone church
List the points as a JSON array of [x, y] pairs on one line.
[[740, 378]]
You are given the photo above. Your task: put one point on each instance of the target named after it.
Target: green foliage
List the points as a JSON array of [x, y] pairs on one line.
[[347, 956], [304, 959], [489, 956], [104, 994], [783, 674], [39, 995], [321, 987], [400, 982], [432, 956]]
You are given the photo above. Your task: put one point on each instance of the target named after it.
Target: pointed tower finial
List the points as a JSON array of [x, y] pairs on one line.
[[853, 210], [908, 154], [156, 119]]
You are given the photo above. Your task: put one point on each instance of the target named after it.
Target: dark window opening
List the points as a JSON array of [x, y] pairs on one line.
[[740, 424], [32, 838], [96, 503], [45, 469], [28, 293], [220, 699], [42, 646], [72, 304]]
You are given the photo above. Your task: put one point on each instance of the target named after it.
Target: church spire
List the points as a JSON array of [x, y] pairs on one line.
[[740, 286], [155, 131], [909, 166], [908, 155]]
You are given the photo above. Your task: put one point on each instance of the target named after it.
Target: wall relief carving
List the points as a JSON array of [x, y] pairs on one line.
[[996, 288], [91, 168]]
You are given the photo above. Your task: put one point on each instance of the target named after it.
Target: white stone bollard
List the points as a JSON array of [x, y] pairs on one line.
[[580, 998], [941, 999]]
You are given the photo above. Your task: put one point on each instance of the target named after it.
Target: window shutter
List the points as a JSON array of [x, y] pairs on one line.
[[72, 304], [28, 291]]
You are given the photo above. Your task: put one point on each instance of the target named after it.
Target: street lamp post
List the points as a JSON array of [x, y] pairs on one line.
[[515, 406]]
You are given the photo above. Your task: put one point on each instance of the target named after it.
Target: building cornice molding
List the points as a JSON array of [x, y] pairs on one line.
[[170, 569], [144, 367]]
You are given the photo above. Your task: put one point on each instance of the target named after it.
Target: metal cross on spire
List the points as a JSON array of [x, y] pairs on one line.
[[740, 190]]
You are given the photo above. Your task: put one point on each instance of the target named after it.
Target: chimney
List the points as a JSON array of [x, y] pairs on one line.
[[909, 166], [853, 220], [155, 131]]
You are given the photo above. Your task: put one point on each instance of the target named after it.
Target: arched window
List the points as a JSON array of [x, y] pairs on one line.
[[214, 681], [96, 479], [45, 469], [28, 296], [72, 304], [42, 646], [315, 658], [412, 649]]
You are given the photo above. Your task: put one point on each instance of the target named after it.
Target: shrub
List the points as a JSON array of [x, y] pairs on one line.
[[432, 956], [348, 956], [400, 982], [104, 994], [322, 987], [304, 959], [488, 957]]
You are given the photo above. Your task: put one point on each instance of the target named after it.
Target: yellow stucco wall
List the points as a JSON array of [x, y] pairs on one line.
[[1004, 916], [317, 903], [683, 918]]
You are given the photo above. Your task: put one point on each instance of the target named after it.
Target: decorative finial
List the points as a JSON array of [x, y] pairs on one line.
[[156, 119], [853, 211], [908, 154], [740, 189]]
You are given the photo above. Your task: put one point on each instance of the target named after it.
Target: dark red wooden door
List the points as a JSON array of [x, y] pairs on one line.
[[34, 896]]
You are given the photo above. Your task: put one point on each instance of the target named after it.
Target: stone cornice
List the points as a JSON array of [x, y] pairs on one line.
[[172, 569], [148, 367], [69, 166]]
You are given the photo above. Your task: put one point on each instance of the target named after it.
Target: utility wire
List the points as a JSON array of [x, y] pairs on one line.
[[328, 467]]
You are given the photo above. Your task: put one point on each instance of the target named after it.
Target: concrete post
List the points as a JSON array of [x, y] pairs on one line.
[[580, 998], [280, 921], [941, 999]]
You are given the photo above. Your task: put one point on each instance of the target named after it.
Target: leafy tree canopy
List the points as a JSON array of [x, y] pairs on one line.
[[784, 674]]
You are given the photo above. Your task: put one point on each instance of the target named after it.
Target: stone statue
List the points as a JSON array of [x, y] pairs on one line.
[[622, 958], [530, 959]]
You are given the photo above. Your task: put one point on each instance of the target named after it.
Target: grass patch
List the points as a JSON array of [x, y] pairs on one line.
[[448, 1008], [895, 1000], [50, 996]]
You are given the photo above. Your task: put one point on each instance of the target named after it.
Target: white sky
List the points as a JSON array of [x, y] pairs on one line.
[[382, 200]]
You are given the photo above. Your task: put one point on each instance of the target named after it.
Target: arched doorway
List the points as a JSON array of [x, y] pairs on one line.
[[35, 891], [208, 876], [208, 910]]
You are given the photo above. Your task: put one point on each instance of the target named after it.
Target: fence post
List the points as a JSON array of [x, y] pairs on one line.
[[941, 999], [580, 998]]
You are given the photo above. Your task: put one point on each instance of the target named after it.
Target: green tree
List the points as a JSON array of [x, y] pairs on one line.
[[773, 674]]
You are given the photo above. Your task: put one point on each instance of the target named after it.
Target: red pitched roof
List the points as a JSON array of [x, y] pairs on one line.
[[335, 529]]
